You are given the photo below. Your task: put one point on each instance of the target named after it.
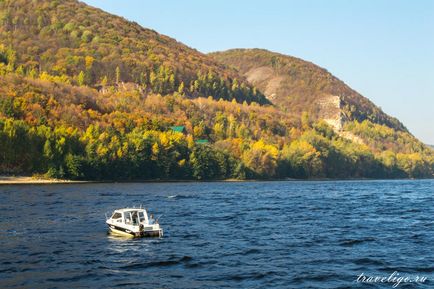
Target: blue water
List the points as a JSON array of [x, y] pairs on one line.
[[219, 235]]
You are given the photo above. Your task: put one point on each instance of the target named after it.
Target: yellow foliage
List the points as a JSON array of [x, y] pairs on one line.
[[190, 141], [119, 153], [164, 140], [89, 62], [102, 137], [155, 151], [181, 163], [272, 150], [101, 151], [261, 158]]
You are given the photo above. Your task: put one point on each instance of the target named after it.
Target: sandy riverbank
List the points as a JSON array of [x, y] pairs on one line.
[[16, 180], [12, 180]]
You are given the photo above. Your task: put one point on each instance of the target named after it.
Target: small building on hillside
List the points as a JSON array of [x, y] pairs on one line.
[[202, 141], [179, 129]]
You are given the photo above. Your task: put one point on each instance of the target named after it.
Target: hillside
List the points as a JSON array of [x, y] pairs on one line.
[[71, 42], [62, 130], [88, 95], [298, 86]]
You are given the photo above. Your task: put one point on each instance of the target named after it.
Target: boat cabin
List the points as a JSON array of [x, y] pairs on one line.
[[130, 216]]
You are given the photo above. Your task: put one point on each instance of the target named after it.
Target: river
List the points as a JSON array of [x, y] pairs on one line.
[[293, 234]]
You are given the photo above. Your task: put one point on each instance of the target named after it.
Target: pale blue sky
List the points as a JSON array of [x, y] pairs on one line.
[[384, 49]]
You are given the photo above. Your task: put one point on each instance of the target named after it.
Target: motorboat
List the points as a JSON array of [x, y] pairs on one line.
[[133, 222]]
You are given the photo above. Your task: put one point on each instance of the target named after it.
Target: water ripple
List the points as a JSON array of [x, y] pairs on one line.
[[302, 234]]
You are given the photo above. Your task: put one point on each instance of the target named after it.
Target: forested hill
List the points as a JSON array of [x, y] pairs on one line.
[[88, 95], [299, 86], [71, 42]]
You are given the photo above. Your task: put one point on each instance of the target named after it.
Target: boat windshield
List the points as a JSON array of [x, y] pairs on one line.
[[134, 217], [127, 217], [142, 217]]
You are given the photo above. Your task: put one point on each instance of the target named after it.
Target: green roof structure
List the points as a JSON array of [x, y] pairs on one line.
[[180, 129], [202, 141]]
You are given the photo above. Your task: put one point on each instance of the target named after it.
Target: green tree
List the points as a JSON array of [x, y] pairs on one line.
[[204, 163], [81, 78], [118, 74]]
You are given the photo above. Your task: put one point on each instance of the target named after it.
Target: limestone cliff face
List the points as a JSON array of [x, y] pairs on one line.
[[330, 109], [298, 86]]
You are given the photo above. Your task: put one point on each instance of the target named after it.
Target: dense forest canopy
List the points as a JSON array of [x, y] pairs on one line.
[[88, 95], [77, 132]]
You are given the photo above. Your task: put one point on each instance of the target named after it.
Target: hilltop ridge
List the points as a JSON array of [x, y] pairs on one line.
[[69, 41], [298, 86]]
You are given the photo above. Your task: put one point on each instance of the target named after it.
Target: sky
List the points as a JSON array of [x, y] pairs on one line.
[[384, 49]]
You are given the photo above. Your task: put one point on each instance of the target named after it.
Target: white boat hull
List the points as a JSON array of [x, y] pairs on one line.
[[116, 230]]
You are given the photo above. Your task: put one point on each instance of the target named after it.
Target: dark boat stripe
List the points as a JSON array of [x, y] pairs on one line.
[[122, 229]]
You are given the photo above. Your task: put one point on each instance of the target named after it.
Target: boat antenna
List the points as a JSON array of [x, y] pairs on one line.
[[158, 218]]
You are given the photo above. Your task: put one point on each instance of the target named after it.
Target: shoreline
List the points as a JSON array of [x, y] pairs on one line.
[[28, 180]]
